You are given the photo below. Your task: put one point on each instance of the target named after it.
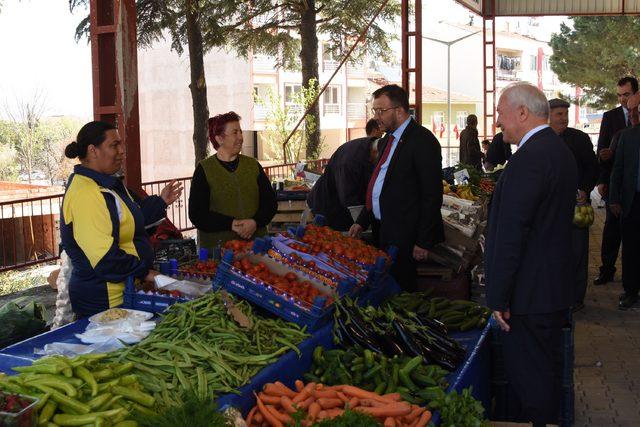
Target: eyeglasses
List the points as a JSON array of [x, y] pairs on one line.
[[379, 111]]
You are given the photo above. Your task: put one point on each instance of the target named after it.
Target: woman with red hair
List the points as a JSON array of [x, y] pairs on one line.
[[231, 196]]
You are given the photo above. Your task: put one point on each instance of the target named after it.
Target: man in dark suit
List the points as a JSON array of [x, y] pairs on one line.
[[580, 145], [624, 201], [404, 195], [613, 121], [528, 265], [470, 153], [498, 153], [344, 181]]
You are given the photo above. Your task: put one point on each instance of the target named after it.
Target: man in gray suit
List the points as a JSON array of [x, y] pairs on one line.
[[624, 199]]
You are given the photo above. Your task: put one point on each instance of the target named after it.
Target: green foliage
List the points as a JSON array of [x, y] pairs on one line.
[[595, 54], [459, 410], [347, 419], [192, 411], [281, 119]]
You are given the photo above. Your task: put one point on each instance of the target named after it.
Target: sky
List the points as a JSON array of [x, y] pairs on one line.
[[38, 53]]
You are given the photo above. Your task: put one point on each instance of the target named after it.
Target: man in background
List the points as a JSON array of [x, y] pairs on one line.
[[470, 153], [613, 121], [580, 145], [343, 184], [498, 152]]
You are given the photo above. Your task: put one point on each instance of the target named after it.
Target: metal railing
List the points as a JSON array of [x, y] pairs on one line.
[[356, 110], [29, 231], [331, 109], [30, 227]]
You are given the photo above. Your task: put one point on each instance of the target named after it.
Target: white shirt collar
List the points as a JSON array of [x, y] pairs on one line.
[[531, 133]]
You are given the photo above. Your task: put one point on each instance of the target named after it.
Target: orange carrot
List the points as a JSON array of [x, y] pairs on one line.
[[278, 390], [283, 418], [290, 393], [268, 416], [269, 399], [414, 414], [304, 394], [258, 418], [327, 403], [391, 410], [342, 396], [331, 394], [389, 422], [393, 396], [251, 414], [335, 412], [424, 419], [364, 394], [371, 402], [354, 402], [322, 415], [287, 405], [314, 410], [299, 385]]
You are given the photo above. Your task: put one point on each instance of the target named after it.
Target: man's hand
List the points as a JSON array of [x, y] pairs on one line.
[[151, 275], [605, 154], [502, 317], [420, 254], [171, 192], [615, 210], [582, 196], [244, 227], [355, 231], [602, 190]]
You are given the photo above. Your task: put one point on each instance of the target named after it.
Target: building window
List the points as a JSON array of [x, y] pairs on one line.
[[534, 62], [461, 119], [331, 99], [329, 62], [291, 92], [545, 63]]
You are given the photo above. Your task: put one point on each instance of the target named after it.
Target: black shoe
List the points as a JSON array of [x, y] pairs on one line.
[[603, 279], [627, 302], [577, 307]]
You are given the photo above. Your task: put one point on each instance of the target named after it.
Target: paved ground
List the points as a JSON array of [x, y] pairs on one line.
[[607, 351]]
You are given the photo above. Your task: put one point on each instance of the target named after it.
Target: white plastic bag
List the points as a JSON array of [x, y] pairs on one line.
[[71, 350], [64, 313], [186, 287]]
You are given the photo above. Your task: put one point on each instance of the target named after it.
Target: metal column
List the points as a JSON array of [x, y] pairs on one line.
[[489, 68], [412, 43], [114, 65]]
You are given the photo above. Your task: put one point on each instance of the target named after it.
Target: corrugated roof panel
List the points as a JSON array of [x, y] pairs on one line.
[[561, 7]]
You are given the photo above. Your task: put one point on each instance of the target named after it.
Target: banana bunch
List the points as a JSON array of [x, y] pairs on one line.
[[464, 192]]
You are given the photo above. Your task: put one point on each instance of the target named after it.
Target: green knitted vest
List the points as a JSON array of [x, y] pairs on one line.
[[234, 194]]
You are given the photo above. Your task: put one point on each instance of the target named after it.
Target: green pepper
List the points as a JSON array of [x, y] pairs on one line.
[[84, 374], [134, 395], [47, 412], [80, 420]]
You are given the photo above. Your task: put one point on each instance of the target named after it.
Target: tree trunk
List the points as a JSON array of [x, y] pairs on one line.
[[309, 61], [198, 83]]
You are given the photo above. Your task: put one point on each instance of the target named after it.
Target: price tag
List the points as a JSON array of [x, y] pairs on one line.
[[461, 177]]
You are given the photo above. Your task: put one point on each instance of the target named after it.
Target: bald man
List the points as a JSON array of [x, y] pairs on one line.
[[528, 262]]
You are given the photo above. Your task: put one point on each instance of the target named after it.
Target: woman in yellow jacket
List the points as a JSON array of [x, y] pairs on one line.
[[102, 228]]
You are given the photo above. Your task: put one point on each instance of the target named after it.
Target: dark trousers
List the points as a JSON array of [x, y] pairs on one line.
[[532, 353], [580, 252], [631, 248], [404, 270], [610, 243]]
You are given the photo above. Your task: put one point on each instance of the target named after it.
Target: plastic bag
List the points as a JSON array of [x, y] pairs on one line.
[[64, 313], [129, 330], [21, 318], [70, 350], [185, 287]]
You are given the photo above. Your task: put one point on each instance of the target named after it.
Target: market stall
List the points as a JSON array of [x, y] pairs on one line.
[[220, 346]]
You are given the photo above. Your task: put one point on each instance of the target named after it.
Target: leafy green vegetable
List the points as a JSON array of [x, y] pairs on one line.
[[459, 410], [348, 419], [192, 411]]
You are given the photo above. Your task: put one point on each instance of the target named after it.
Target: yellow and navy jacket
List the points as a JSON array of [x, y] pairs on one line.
[[103, 231]]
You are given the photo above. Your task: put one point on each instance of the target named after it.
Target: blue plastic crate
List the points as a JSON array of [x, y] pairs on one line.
[[313, 316], [150, 303]]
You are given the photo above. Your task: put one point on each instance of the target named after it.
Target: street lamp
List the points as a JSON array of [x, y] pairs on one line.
[[449, 44]]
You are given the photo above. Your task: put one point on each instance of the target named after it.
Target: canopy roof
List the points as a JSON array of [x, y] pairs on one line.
[[552, 7]]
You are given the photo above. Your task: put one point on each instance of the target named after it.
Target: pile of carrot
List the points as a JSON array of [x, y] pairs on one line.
[[276, 403]]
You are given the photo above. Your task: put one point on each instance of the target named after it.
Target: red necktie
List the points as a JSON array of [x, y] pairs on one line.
[[376, 171]]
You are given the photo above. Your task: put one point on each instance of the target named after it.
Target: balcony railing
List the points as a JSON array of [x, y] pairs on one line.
[[356, 110], [329, 65], [331, 109], [30, 227], [264, 63], [259, 112]]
